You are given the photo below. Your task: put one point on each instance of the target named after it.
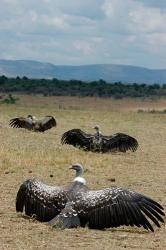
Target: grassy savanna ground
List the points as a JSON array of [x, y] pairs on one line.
[[25, 154]]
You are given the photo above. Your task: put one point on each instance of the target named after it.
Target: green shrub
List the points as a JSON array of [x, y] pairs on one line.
[[9, 99]]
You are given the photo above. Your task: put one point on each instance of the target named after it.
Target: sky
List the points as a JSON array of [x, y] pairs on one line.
[[77, 32]]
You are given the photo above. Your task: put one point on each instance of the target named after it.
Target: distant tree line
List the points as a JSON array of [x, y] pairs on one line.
[[100, 88]]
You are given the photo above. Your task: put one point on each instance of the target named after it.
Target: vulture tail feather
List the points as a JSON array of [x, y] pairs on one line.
[[68, 218], [63, 222]]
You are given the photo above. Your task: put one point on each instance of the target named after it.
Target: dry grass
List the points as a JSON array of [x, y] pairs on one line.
[[25, 154]]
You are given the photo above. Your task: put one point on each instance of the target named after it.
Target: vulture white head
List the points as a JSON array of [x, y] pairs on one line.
[[79, 171], [31, 117], [97, 128]]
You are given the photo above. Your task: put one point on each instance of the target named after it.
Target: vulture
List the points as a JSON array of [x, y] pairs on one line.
[[31, 123], [76, 205], [98, 142]]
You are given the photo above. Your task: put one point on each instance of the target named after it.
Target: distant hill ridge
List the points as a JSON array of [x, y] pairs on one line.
[[108, 72]]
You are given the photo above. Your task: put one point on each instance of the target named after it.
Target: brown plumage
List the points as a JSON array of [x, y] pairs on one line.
[[31, 123], [98, 142], [76, 205]]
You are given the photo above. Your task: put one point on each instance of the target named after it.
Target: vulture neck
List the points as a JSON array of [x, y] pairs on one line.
[[98, 133], [79, 178]]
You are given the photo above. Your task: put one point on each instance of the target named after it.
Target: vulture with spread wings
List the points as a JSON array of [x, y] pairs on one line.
[[76, 205], [31, 123], [98, 142]]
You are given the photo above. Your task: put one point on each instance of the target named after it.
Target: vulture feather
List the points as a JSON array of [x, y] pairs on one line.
[[76, 205], [31, 123], [98, 142]]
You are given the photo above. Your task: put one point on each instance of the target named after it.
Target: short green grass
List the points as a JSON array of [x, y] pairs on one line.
[[25, 154]]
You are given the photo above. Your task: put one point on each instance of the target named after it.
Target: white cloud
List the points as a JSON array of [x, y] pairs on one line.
[[81, 32], [134, 16], [83, 46], [146, 19]]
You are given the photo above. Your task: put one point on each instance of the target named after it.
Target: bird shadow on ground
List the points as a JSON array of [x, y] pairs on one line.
[[135, 231], [113, 230]]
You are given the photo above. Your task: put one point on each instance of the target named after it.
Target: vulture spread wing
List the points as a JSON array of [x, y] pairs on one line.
[[77, 138], [76, 205], [47, 123], [21, 122], [119, 142], [114, 207], [40, 200]]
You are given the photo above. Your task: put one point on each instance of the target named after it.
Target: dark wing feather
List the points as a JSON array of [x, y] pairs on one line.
[[114, 207], [21, 122], [119, 142], [77, 138], [47, 123], [43, 201]]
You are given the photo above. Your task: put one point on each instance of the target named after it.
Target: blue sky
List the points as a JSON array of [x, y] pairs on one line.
[[76, 32]]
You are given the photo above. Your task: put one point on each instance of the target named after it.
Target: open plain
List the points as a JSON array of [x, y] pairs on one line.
[[25, 154]]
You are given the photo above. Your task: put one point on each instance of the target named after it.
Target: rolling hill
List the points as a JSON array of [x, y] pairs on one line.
[[107, 72]]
